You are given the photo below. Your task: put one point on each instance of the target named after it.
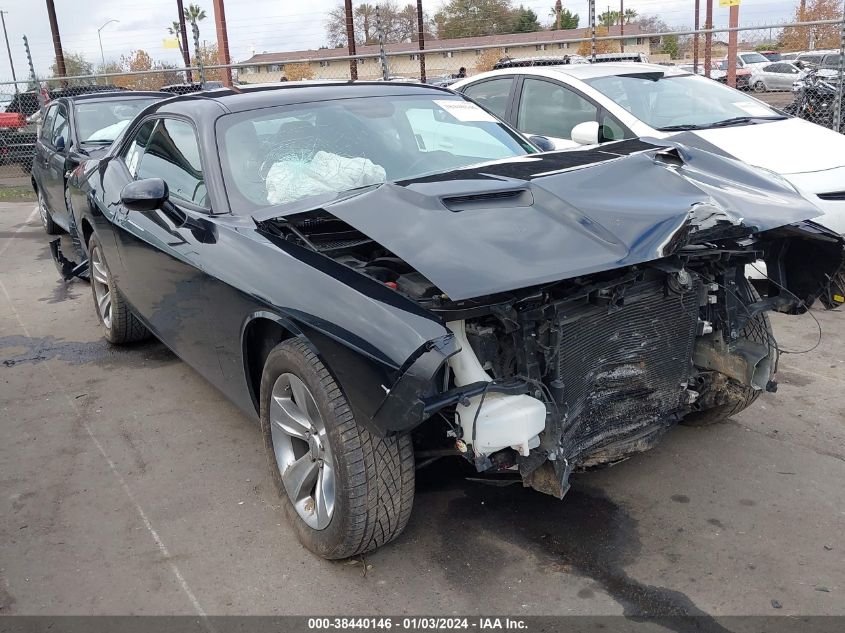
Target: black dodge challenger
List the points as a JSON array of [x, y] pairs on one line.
[[381, 270]]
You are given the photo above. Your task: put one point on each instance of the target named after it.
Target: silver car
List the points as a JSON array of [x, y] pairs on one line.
[[776, 76]]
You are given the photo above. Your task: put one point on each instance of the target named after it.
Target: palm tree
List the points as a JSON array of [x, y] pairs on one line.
[[609, 18], [194, 13], [176, 31], [630, 15]]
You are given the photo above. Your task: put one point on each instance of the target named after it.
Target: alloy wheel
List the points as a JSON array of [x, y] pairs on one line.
[[42, 209], [302, 449], [102, 288]]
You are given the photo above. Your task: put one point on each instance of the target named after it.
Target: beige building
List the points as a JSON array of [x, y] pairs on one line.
[[442, 57]]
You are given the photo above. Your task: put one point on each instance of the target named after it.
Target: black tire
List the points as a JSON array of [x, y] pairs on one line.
[[374, 475], [50, 227], [734, 396], [759, 86], [124, 326]]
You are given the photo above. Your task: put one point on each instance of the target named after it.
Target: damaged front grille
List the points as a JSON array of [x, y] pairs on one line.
[[621, 373]]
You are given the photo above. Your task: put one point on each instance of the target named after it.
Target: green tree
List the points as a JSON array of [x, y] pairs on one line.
[[609, 18], [472, 18], [670, 46], [630, 15], [525, 21], [194, 13], [75, 64], [568, 20], [175, 29]]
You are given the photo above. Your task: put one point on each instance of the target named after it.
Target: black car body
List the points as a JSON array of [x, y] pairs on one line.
[[536, 314], [61, 146]]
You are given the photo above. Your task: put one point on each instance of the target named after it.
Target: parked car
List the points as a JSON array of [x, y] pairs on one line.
[[18, 134], [751, 60], [720, 74], [777, 76], [599, 103], [543, 60], [819, 58], [772, 56], [370, 269], [75, 129]]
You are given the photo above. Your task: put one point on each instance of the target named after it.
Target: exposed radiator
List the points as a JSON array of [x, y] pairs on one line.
[[624, 372]]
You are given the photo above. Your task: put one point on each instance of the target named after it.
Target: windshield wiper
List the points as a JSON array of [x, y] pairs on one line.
[[742, 120], [681, 128], [737, 120]]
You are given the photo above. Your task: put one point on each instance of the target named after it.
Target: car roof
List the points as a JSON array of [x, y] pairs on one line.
[[591, 71], [243, 98], [117, 94]]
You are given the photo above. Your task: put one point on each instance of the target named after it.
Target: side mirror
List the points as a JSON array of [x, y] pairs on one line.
[[545, 144], [145, 195], [586, 133], [60, 144]]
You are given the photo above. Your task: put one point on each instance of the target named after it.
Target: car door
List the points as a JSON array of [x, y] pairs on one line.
[[548, 108], [54, 166], [495, 94], [42, 149], [160, 249], [780, 76]]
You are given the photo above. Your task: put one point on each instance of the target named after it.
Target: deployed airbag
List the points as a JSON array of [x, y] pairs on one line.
[[292, 179]]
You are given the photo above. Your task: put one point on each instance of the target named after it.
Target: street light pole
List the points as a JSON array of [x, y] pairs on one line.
[[99, 37], [9, 48]]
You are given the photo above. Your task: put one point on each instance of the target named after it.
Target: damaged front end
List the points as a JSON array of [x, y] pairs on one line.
[[584, 329], [616, 359]]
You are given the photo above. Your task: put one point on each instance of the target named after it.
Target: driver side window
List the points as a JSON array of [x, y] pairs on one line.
[[168, 149]]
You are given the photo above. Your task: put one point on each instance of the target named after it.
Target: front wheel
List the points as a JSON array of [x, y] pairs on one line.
[[119, 324], [345, 490], [759, 87]]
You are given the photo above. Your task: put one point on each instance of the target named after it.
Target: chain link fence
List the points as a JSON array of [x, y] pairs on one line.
[[797, 68]]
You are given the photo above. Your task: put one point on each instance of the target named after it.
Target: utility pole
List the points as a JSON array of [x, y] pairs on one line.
[[186, 55], [621, 26], [695, 37], [558, 11], [57, 40], [350, 40], [382, 58], [42, 101], [733, 22], [222, 41], [9, 49], [421, 38], [708, 38], [593, 30]]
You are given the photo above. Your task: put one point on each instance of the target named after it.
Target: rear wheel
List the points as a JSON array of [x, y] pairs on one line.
[[759, 86], [119, 324], [345, 490]]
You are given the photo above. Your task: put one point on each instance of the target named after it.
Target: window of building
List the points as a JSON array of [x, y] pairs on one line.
[[478, 51], [448, 54], [563, 45], [324, 64], [274, 68], [415, 57], [540, 47]]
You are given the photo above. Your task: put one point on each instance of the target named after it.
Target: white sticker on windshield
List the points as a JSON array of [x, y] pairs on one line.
[[464, 110], [754, 109]]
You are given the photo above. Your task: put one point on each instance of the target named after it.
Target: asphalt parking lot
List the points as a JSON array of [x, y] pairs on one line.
[[129, 485]]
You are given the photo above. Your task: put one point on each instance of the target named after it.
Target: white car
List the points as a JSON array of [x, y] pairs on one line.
[[775, 76], [585, 105]]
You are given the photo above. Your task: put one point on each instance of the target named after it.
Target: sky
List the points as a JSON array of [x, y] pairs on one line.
[[260, 25]]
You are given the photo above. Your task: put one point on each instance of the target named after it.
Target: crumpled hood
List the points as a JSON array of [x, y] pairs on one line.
[[547, 217], [790, 146]]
